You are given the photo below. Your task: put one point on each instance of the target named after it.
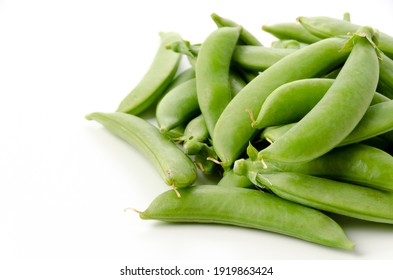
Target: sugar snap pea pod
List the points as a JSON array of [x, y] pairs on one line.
[[178, 106], [329, 195], [291, 31], [333, 74], [237, 82], [205, 159], [247, 208], [230, 179], [233, 130], [195, 134], [288, 44], [245, 38], [385, 84], [340, 109], [377, 120], [183, 76], [176, 133], [212, 73], [272, 133], [176, 168], [357, 163], [156, 79], [292, 101], [324, 27], [258, 58]]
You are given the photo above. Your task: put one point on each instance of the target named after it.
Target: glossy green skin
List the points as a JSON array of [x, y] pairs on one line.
[[247, 208], [258, 58], [230, 179], [212, 73], [336, 115], [292, 101], [325, 27], [378, 120], [182, 77], [233, 130], [156, 79], [291, 31], [357, 163], [176, 168], [333, 196], [178, 106], [288, 44], [245, 37], [386, 76], [195, 134]]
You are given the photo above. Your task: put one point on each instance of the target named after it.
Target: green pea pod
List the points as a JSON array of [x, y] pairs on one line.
[[156, 79], [231, 179], [195, 135], [333, 196], [183, 76], [245, 38], [377, 120], [324, 27], [178, 106], [292, 101], [233, 130], [258, 58], [288, 44], [291, 31], [357, 163], [386, 76], [176, 168], [212, 73], [247, 208], [339, 111]]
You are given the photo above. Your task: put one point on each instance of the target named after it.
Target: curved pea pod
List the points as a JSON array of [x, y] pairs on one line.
[[183, 76], [292, 101], [288, 44], [324, 27], [291, 31], [245, 38], [385, 84], [329, 195], [156, 79], [212, 73], [357, 163], [178, 106], [377, 120], [258, 58], [233, 129], [176, 168], [338, 112], [247, 208], [231, 179], [195, 135]]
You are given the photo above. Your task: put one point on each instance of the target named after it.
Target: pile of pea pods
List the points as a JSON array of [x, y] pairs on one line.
[[292, 132]]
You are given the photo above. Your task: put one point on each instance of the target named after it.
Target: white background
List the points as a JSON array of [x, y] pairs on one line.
[[64, 181]]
